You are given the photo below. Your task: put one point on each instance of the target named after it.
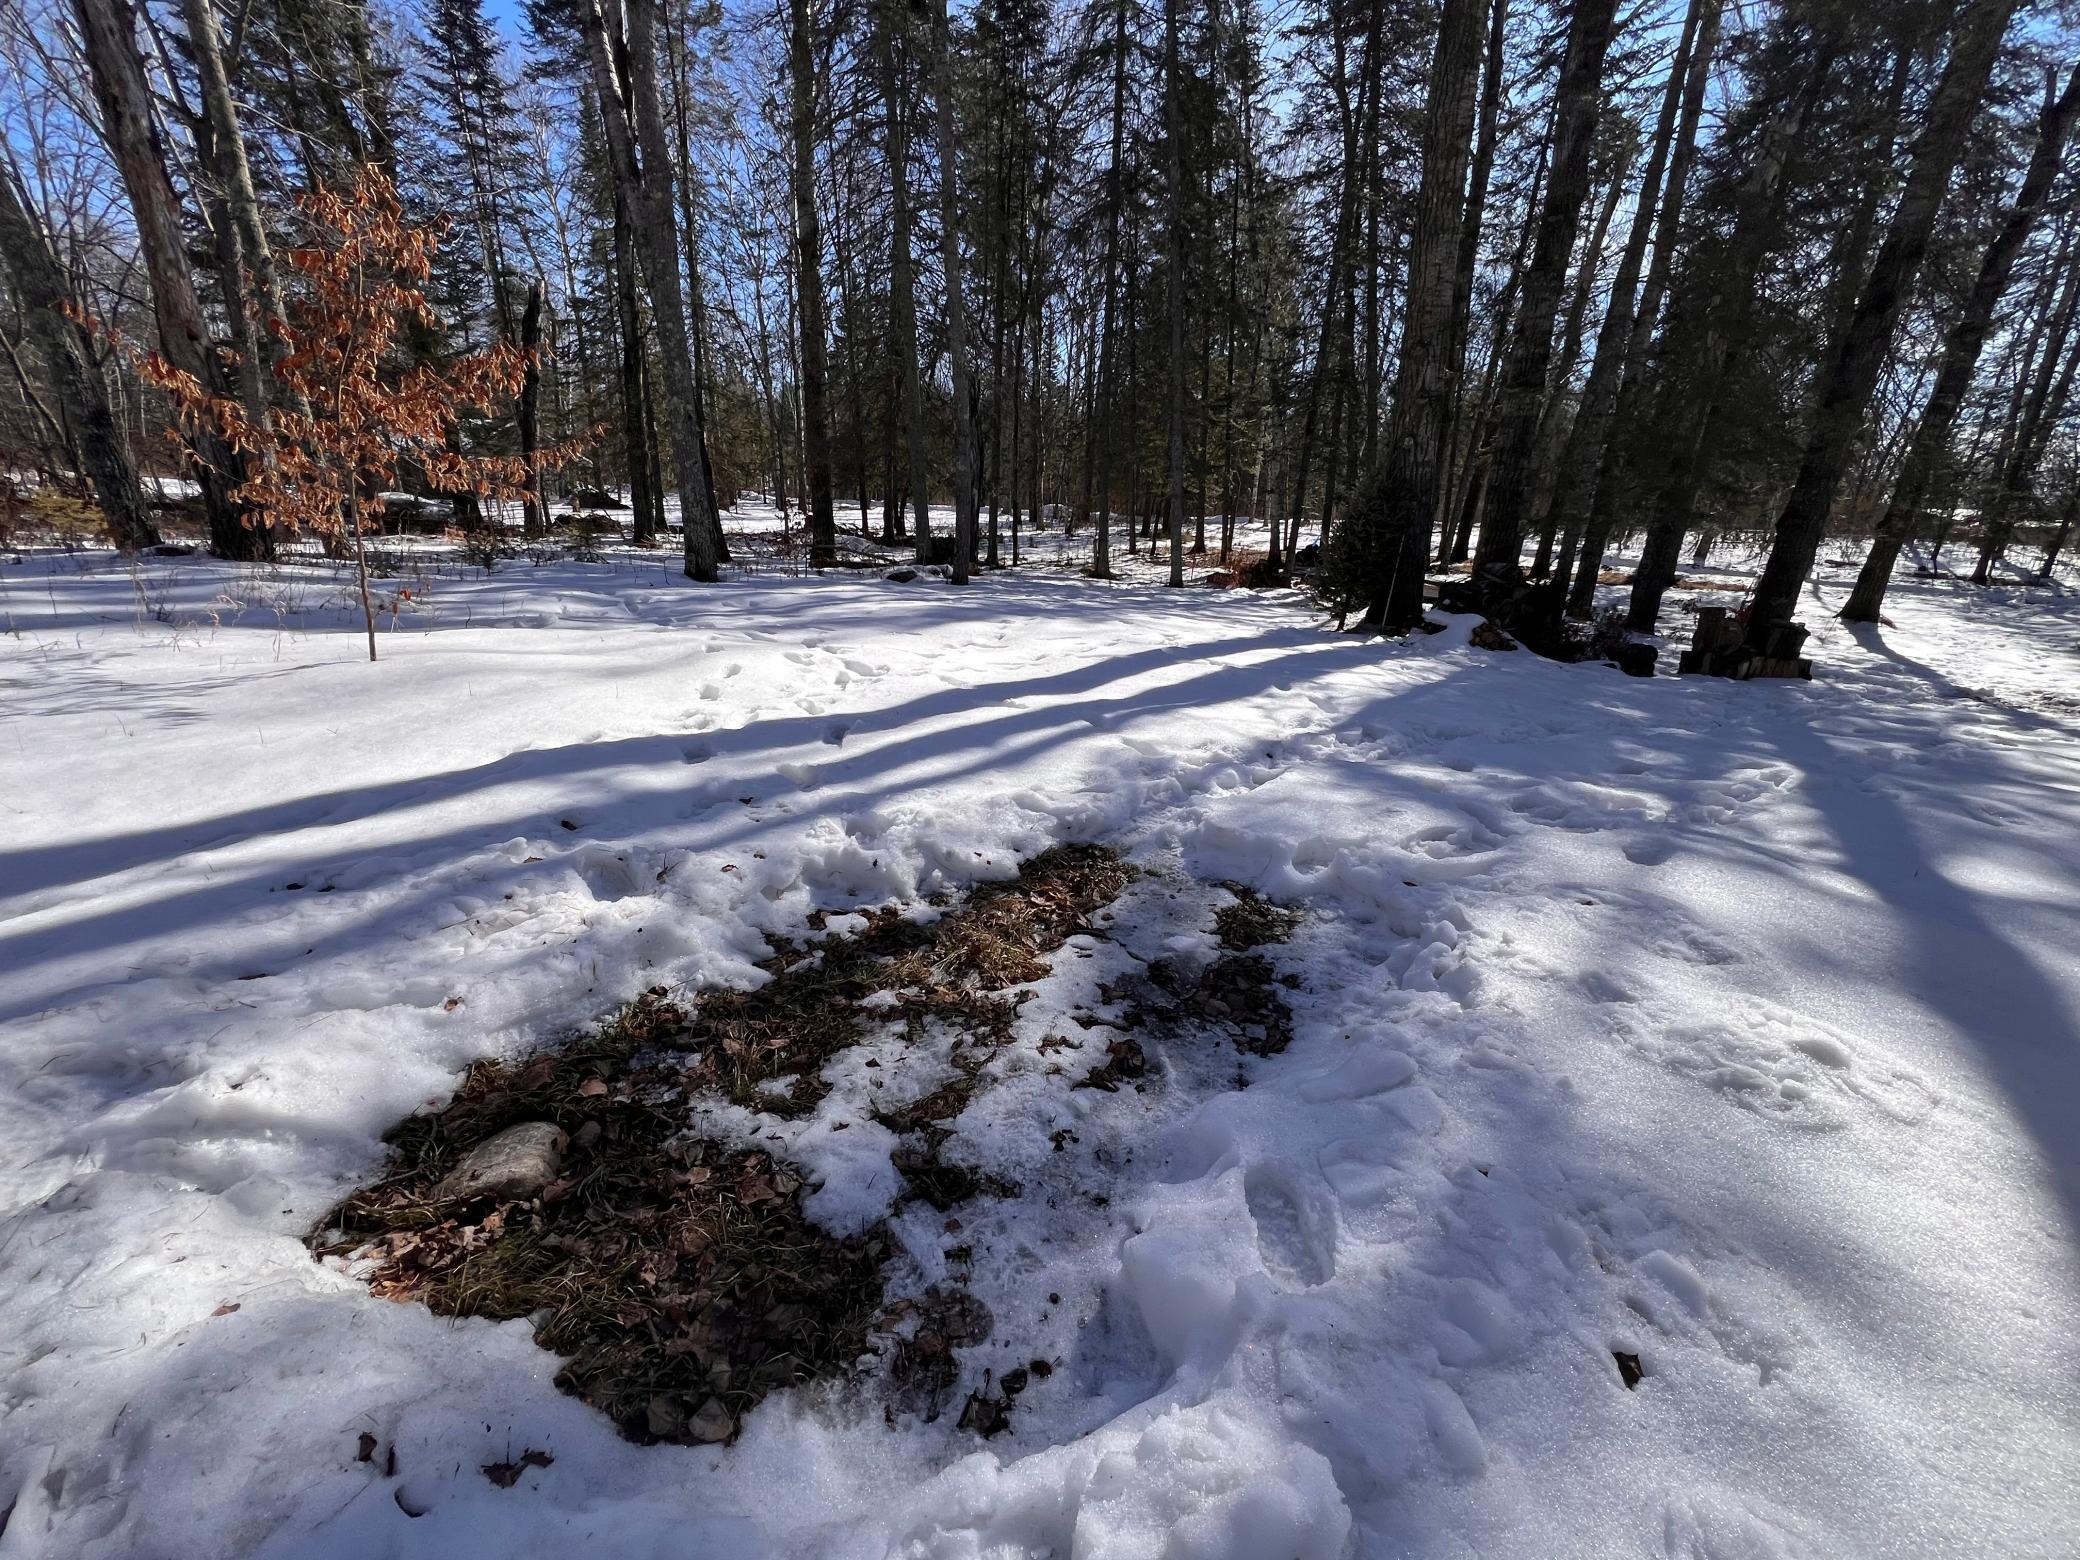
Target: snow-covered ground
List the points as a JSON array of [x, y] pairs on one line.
[[1732, 1026]]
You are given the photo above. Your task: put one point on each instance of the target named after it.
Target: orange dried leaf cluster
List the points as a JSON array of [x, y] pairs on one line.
[[348, 416]]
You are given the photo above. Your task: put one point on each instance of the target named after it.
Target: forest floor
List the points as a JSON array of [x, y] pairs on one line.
[[1652, 1132]]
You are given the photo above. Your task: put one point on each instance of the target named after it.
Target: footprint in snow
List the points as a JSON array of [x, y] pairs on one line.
[[1443, 841], [1601, 988], [1367, 1071], [1649, 852], [1717, 1526], [1292, 1252]]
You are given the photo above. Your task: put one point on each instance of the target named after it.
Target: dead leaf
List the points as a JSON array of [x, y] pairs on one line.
[[507, 1474]]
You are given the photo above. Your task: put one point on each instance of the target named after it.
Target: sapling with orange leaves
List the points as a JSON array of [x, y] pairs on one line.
[[321, 456]]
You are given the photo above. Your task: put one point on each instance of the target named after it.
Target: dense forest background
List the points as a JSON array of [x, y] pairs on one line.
[[1456, 280]]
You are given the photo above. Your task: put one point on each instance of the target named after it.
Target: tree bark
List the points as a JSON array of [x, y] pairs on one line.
[[902, 286], [1578, 99], [1399, 496], [644, 498], [51, 314], [1469, 256], [1617, 342], [1718, 328], [621, 41], [2066, 517], [1173, 136], [1852, 374], [1556, 422], [1962, 345], [109, 37], [527, 408], [956, 306], [235, 175], [1101, 423], [808, 237], [2042, 410]]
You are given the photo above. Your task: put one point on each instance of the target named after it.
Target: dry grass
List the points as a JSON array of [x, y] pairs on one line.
[[679, 1277], [1252, 921], [949, 971]]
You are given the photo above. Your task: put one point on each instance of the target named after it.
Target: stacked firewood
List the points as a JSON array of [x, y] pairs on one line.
[[1719, 647]]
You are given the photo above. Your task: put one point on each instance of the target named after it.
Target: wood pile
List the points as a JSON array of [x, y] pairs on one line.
[[1719, 648]]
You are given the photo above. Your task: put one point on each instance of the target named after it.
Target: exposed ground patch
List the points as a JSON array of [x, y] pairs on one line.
[[1239, 991], [680, 1277]]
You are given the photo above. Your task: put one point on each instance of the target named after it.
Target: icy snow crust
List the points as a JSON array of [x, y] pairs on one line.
[[1728, 1026]]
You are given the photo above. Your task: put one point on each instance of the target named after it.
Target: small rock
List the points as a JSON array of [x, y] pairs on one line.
[[666, 1417], [711, 1422], [515, 1164]]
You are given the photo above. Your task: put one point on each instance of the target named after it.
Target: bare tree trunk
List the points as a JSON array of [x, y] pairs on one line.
[[1557, 420], [1173, 136], [956, 307], [2042, 410], [2066, 517], [1469, 255], [82, 395], [109, 37], [902, 287], [1719, 327], [1660, 193], [235, 172], [643, 497], [1102, 431], [622, 42], [1398, 499], [849, 324], [1961, 348], [1477, 461], [1361, 183], [527, 408], [1578, 99], [1853, 374], [808, 234], [1336, 286]]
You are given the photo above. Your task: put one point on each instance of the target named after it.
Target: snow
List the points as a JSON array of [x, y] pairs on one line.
[[1731, 1026]]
